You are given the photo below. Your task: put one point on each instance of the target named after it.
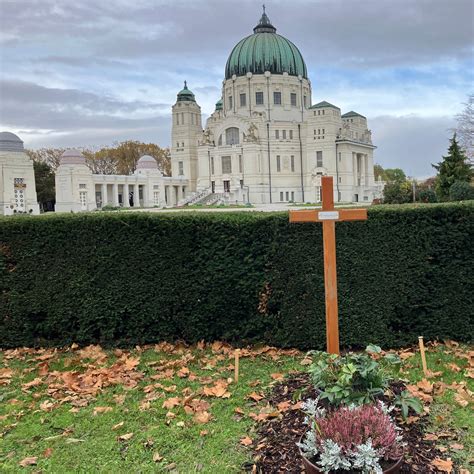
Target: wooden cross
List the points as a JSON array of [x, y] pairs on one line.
[[329, 216]]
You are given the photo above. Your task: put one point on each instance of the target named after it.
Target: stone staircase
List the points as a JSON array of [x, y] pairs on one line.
[[195, 198]]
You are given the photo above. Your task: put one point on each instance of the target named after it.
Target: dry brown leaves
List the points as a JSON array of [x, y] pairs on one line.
[[29, 461], [443, 465], [218, 389]]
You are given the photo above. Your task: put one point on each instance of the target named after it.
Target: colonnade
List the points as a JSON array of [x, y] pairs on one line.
[[360, 166], [126, 189], [142, 197]]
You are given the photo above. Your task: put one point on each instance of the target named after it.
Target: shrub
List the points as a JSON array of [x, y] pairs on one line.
[[352, 378], [351, 438], [126, 278], [427, 195], [460, 191]]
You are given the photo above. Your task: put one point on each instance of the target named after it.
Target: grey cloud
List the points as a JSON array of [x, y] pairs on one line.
[[357, 34], [16, 94], [56, 117], [411, 142]]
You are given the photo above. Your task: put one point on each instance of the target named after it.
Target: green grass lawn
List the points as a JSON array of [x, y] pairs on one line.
[[54, 420]]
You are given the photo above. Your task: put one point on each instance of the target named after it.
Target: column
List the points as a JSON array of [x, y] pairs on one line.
[[354, 167], [366, 169], [136, 195], [145, 197], [126, 195], [104, 194], [180, 193], [115, 194]]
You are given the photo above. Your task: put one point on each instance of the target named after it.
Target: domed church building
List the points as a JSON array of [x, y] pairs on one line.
[[266, 142]]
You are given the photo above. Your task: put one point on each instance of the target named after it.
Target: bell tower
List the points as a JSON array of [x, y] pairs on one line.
[[185, 133]]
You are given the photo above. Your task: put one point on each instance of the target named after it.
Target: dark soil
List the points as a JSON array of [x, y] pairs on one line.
[[275, 446]]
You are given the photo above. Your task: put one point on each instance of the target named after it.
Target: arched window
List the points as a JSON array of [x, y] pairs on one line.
[[232, 136]]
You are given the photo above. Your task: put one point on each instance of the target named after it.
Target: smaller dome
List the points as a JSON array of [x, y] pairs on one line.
[[219, 105], [186, 94], [147, 162], [72, 157], [10, 142]]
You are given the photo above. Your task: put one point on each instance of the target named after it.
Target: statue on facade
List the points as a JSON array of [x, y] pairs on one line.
[[252, 134], [316, 176], [207, 137]]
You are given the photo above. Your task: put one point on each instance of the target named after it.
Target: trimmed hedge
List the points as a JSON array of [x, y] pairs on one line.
[[134, 278]]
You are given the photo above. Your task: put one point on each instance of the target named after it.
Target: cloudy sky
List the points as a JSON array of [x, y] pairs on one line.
[[93, 72]]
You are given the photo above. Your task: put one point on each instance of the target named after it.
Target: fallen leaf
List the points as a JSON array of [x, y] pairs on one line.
[[246, 441], [430, 437], [183, 373], [6, 373], [34, 383], [180, 424], [442, 464], [47, 452], [462, 398], [125, 437], [454, 367], [456, 446], [98, 410], [74, 440], [30, 461], [157, 457], [202, 417], [425, 385], [47, 405], [171, 403], [255, 396], [276, 376], [239, 411], [219, 389], [117, 426], [284, 406], [203, 433]]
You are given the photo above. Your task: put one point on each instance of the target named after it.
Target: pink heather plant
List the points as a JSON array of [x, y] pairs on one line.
[[351, 427]]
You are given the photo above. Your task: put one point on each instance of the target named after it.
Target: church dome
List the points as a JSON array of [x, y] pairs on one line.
[[186, 94], [72, 157], [147, 162], [10, 142], [219, 105], [265, 50]]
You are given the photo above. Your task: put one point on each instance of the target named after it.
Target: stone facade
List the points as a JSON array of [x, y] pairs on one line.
[[265, 142], [17, 178], [78, 189]]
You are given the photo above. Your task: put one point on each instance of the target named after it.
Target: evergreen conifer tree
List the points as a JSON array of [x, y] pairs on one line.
[[453, 168]]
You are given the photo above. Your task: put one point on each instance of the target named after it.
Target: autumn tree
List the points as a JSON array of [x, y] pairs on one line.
[[126, 154], [50, 156], [454, 167], [120, 158]]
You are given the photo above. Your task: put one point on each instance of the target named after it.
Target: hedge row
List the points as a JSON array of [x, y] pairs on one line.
[[134, 278]]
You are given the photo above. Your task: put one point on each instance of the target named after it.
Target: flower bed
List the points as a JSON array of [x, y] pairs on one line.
[[277, 438]]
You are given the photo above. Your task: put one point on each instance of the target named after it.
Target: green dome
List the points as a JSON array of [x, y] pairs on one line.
[[186, 94], [265, 51], [219, 105]]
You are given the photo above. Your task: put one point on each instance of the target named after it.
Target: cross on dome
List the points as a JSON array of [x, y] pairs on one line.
[[264, 25]]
